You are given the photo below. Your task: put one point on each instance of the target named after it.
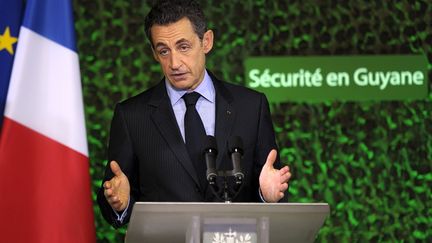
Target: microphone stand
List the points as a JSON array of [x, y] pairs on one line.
[[226, 195], [227, 199], [236, 153]]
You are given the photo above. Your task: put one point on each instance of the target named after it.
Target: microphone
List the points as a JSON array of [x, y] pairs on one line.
[[210, 154], [235, 151]]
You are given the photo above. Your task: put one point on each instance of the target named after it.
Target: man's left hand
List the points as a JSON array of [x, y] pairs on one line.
[[273, 182]]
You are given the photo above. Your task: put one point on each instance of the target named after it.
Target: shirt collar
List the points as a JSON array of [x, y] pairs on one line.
[[205, 89]]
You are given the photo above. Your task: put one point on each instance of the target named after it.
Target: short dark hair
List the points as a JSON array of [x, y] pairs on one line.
[[166, 12]]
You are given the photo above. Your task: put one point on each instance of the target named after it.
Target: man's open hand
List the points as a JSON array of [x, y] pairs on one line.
[[117, 189], [273, 182]]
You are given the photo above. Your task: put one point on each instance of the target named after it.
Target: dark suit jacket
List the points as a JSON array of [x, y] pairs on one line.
[[146, 141]]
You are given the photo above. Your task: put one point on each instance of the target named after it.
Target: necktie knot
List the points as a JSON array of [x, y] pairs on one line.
[[191, 98]]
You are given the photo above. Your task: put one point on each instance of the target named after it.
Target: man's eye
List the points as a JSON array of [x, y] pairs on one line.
[[184, 48], [163, 52]]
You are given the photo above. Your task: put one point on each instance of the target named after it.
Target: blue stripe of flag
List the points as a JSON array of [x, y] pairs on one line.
[[10, 16], [53, 19]]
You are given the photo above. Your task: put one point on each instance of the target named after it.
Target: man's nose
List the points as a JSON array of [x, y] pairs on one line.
[[175, 60]]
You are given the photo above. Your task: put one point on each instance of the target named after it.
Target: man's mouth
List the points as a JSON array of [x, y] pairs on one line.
[[178, 76]]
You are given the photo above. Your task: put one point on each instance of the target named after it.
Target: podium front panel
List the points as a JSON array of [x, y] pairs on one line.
[[170, 222]]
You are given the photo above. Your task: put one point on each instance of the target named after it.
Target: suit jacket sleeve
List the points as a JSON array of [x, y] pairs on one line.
[[120, 149], [266, 140]]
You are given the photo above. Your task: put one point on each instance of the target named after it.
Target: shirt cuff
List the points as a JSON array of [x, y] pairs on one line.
[[260, 194], [120, 217]]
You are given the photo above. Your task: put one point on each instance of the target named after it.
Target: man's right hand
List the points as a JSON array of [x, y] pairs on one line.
[[117, 189]]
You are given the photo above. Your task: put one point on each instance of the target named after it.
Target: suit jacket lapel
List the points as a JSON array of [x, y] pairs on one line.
[[165, 121], [225, 116]]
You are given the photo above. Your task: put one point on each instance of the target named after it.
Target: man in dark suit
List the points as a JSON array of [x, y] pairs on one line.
[[148, 147]]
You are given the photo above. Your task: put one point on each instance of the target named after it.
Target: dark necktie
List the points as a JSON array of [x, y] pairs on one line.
[[195, 135]]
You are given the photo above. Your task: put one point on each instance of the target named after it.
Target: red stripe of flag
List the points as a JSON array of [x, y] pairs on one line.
[[45, 189]]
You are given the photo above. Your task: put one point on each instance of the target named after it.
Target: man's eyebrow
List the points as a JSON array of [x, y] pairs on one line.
[[159, 44], [182, 40]]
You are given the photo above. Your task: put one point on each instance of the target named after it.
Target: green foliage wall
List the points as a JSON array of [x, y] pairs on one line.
[[370, 161]]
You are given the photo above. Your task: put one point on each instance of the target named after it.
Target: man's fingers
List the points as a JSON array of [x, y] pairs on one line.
[[116, 203], [281, 195], [116, 206], [284, 187], [271, 158], [107, 184], [284, 170], [285, 177], [113, 200], [108, 193], [115, 168]]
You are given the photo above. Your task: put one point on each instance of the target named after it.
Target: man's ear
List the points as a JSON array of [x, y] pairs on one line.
[[208, 41]]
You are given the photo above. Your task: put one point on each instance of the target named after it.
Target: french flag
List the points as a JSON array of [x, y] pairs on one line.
[[45, 191]]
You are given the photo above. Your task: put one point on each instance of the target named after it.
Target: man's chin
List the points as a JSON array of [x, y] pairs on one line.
[[181, 84]]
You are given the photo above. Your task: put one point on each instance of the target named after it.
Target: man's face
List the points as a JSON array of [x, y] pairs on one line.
[[181, 53]]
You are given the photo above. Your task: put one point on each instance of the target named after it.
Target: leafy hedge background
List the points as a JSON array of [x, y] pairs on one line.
[[371, 161]]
